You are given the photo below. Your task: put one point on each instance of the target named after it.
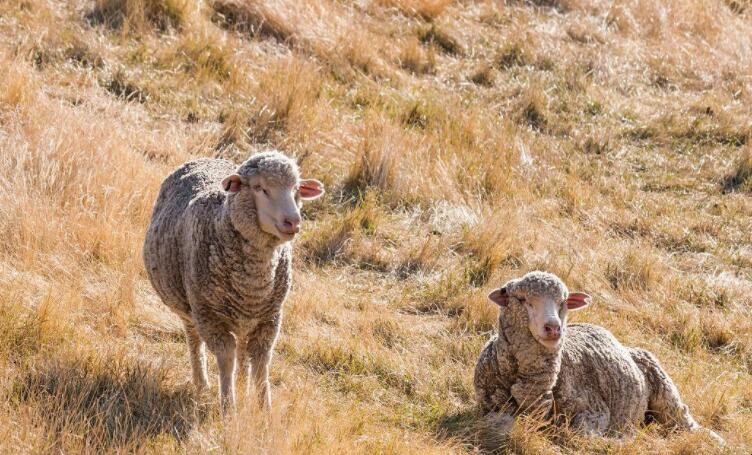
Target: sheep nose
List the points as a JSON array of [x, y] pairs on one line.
[[291, 226], [553, 329]]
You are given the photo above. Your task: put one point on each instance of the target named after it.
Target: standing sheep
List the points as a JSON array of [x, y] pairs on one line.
[[580, 370], [218, 253]]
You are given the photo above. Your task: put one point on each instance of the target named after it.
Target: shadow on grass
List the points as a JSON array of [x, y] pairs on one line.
[[738, 181], [472, 430], [107, 403]]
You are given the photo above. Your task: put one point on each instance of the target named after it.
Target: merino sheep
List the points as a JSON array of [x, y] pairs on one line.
[[581, 371], [218, 253]]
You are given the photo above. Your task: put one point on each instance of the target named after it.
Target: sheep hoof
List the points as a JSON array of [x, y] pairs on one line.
[[713, 435]]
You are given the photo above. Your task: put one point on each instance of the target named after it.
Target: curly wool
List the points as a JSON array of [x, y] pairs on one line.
[[515, 372], [272, 165], [210, 262], [538, 283], [599, 385], [196, 256]]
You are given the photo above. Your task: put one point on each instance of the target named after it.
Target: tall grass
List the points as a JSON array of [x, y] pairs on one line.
[[462, 144]]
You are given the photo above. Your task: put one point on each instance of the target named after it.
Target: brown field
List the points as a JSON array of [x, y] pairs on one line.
[[462, 143]]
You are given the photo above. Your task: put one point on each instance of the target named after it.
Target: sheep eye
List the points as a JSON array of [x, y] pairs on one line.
[[266, 192], [522, 299]]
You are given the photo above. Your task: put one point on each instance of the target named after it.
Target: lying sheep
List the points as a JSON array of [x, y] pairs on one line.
[[579, 370], [217, 252]]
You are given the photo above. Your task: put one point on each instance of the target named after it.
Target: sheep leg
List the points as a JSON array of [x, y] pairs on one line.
[[664, 403], [493, 398], [259, 347], [243, 365], [532, 396], [197, 350], [260, 369], [223, 347], [592, 422], [244, 361], [491, 393]]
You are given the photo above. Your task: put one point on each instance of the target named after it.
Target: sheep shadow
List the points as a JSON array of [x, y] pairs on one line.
[[472, 430], [107, 404]]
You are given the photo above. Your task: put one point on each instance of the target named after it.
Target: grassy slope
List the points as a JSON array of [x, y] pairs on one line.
[[463, 143]]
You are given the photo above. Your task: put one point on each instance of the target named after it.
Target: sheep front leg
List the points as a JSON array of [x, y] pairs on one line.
[[536, 377], [491, 391], [260, 368], [223, 347], [197, 350], [243, 367], [591, 422], [259, 346], [532, 396]]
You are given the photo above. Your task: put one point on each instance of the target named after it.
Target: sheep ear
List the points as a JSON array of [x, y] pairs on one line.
[[499, 297], [232, 183], [577, 300], [311, 189]]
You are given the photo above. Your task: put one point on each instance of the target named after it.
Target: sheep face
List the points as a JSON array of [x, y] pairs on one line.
[[276, 204], [541, 301], [547, 316], [267, 193]]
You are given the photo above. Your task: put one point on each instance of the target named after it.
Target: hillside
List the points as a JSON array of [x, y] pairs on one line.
[[462, 144]]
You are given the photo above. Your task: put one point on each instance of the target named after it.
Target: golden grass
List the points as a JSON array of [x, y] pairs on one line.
[[138, 16], [462, 144], [425, 9]]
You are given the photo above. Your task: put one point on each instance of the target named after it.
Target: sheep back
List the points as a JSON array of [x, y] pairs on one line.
[[199, 264], [598, 372]]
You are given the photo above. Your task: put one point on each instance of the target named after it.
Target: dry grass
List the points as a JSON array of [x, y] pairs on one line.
[[138, 16], [425, 9], [462, 143]]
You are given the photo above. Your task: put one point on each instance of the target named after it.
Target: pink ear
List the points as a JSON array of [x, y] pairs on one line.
[[577, 300], [232, 183], [311, 189], [499, 297]]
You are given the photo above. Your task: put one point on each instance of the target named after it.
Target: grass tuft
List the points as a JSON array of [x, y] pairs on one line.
[[202, 56], [740, 178], [483, 76], [637, 269], [122, 86], [252, 18], [511, 55], [532, 109], [140, 15], [425, 9], [417, 60], [25, 334], [461, 145], [442, 39]]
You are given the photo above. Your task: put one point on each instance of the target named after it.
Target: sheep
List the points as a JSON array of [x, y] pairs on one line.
[[539, 362], [218, 254]]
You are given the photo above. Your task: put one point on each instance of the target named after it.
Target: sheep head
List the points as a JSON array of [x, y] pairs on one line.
[[267, 190], [541, 300]]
